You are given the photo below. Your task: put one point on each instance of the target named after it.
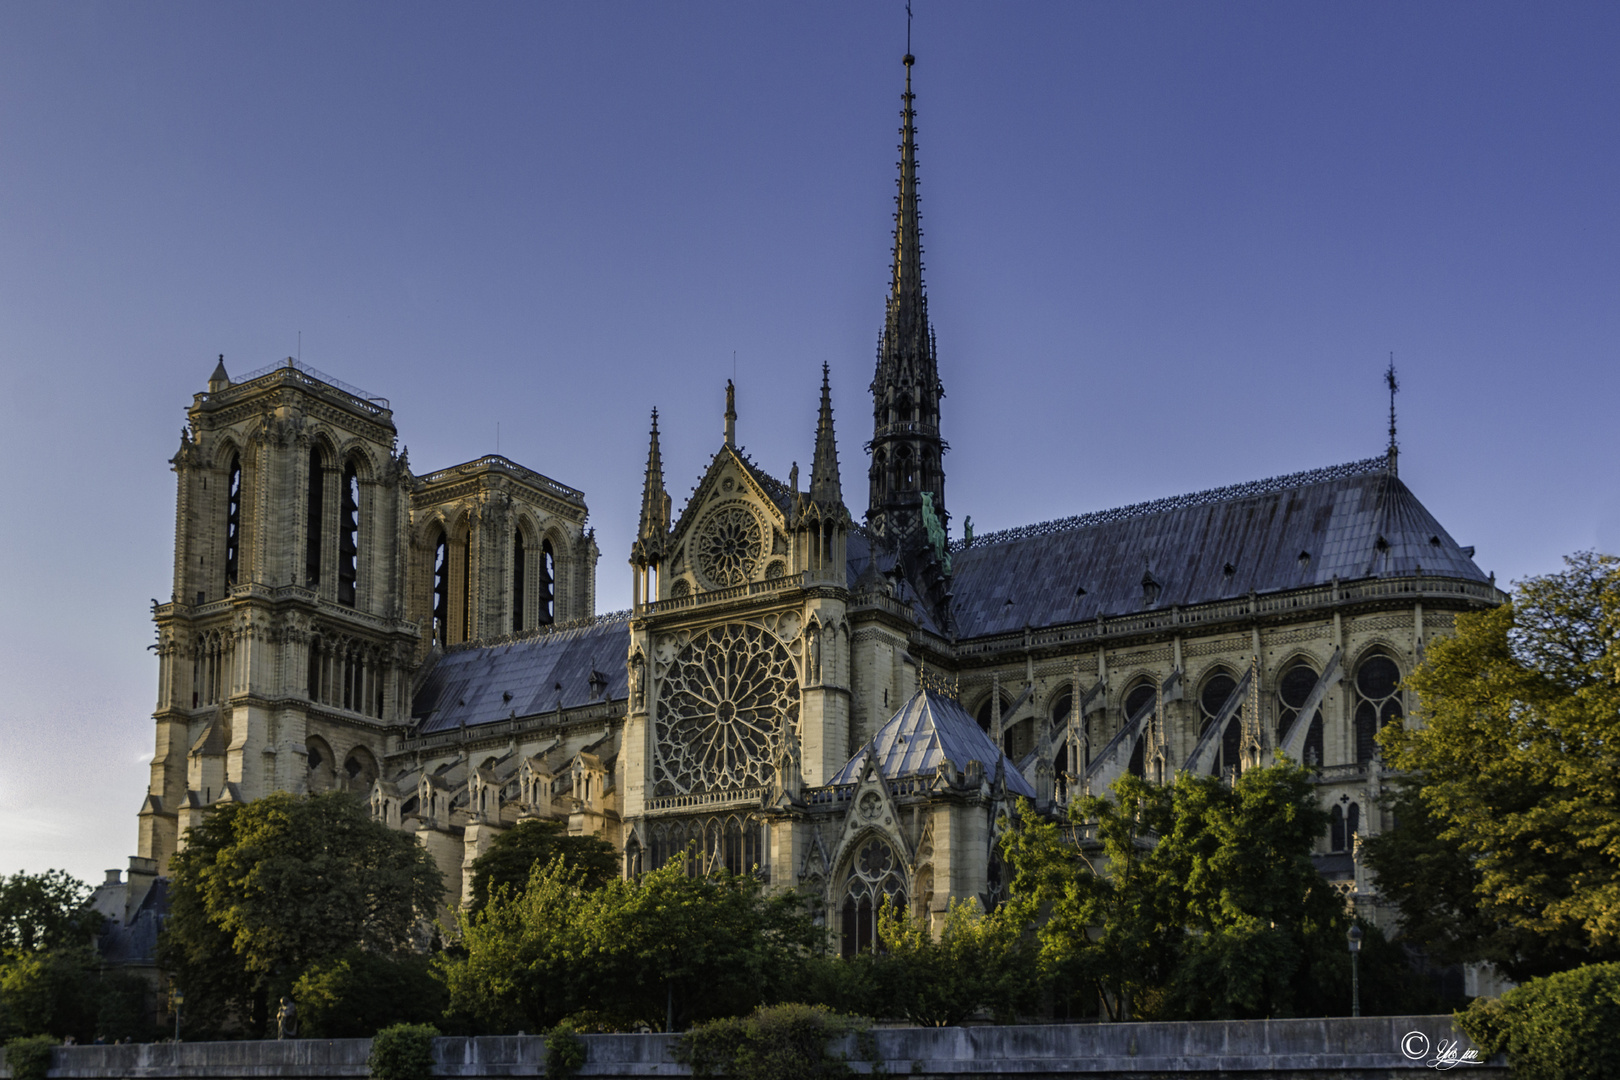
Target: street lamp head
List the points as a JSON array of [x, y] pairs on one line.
[[1355, 938]]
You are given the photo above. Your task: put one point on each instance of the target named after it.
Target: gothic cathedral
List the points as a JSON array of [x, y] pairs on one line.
[[846, 707]]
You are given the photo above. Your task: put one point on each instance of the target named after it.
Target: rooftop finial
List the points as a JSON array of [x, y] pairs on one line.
[[731, 414], [1394, 386], [909, 57]]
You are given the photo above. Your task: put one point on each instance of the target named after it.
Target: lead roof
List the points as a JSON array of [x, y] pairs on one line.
[[928, 730], [1347, 522], [470, 686]]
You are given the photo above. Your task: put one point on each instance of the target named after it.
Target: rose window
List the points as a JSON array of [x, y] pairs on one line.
[[730, 698], [729, 547]]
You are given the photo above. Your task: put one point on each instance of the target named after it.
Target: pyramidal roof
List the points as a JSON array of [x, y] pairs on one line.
[[929, 729]]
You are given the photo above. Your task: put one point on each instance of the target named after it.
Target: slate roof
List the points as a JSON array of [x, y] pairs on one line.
[[929, 729], [1352, 521], [468, 686]]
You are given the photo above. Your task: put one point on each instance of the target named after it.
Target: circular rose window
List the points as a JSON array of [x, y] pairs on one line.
[[730, 698], [728, 547]]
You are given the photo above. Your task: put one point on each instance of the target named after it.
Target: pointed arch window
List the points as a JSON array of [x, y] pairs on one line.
[[547, 612], [874, 877], [1378, 702], [349, 537], [1214, 696], [1293, 690], [233, 519], [1336, 828], [519, 559], [1141, 696], [314, 517], [466, 588], [441, 590]]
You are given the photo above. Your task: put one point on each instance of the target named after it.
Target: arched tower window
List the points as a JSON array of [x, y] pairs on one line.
[[441, 590], [519, 558], [548, 584], [1293, 689], [466, 587], [349, 537], [905, 469], [1217, 690], [874, 875], [314, 517], [1352, 824], [1377, 702], [1336, 828], [233, 519]]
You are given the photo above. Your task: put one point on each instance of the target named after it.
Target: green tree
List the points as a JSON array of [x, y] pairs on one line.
[[977, 961], [667, 945], [356, 994], [1511, 829], [265, 890], [511, 859], [1195, 900], [45, 911]]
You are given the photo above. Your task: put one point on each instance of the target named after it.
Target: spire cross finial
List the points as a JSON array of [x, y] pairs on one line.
[[1394, 386], [908, 32]]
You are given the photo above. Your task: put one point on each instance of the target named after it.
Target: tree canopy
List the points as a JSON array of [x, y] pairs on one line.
[[511, 859], [1194, 900], [265, 890], [45, 911], [637, 952], [1507, 843]]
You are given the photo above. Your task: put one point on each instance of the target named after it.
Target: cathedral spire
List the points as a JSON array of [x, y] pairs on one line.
[[649, 547], [907, 451], [824, 485]]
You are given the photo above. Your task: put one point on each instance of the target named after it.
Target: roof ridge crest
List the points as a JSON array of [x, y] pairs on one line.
[[1247, 489]]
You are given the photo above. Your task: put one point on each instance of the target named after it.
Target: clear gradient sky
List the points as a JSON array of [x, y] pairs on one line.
[[1168, 246]]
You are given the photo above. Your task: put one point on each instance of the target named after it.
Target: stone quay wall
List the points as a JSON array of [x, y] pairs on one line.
[[1362, 1049]]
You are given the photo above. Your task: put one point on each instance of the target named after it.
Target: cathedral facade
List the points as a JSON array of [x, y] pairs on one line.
[[847, 706]]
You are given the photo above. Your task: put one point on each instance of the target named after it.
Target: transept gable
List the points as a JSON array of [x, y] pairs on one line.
[[733, 529], [872, 811]]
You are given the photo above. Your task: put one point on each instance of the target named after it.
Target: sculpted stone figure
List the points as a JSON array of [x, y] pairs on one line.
[[287, 1019]]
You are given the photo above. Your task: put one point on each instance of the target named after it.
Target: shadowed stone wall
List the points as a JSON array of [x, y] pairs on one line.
[[1366, 1048]]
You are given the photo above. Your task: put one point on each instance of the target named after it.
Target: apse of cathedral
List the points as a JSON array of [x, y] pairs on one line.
[[845, 702]]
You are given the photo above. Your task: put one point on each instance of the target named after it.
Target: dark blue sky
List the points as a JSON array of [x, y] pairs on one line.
[[1168, 246]]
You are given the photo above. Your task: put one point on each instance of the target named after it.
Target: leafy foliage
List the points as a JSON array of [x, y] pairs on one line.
[[1195, 900], [402, 1052], [565, 1051], [353, 995], [29, 1058], [1563, 1027], [45, 911], [266, 890], [977, 961], [779, 1042], [1507, 846], [666, 945], [531, 843]]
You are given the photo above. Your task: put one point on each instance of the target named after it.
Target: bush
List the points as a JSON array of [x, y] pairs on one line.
[[779, 1042], [1563, 1027], [565, 1052], [29, 1057], [402, 1052]]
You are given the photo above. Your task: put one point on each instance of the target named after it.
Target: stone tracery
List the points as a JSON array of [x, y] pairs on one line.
[[728, 700]]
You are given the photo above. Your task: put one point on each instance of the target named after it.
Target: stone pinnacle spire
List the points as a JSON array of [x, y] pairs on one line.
[[824, 485], [649, 546], [907, 468]]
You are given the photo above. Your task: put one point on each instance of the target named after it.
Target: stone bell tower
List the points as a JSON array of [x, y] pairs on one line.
[[283, 651]]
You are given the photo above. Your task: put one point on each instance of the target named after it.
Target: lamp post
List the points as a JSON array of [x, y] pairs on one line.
[[179, 1000], [1355, 974]]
